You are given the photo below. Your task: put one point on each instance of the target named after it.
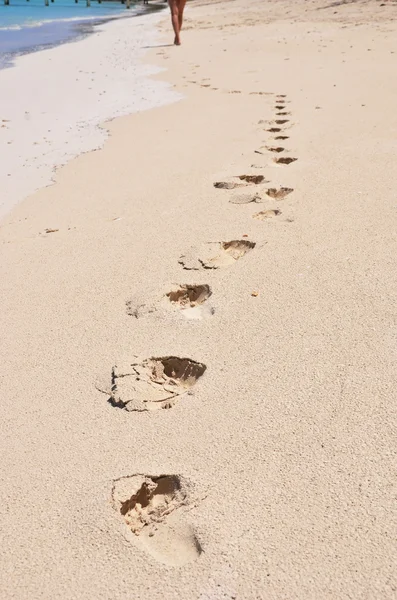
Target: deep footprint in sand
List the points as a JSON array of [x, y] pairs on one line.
[[279, 194], [154, 509], [267, 214], [215, 255], [282, 113], [188, 301], [285, 160], [192, 300], [277, 149], [281, 137], [274, 129], [281, 121], [154, 383], [254, 179], [239, 181]]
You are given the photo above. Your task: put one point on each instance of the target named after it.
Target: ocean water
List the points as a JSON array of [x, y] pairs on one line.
[[29, 25]]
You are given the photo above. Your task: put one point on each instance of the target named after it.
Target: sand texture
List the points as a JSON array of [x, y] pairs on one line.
[[198, 381]]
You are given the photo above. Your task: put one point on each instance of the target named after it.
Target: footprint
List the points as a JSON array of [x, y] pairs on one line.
[[283, 113], [274, 129], [285, 160], [154, 383], [275, 149], [281, 95], [279, 106], [282, 137], [256, 179], [267, 214], [245, 199], [281, 121], [138, 308], [279, 194], [154, 509], [215, 255], [182, 301], [192, 300], [239, 181], [228, 185]]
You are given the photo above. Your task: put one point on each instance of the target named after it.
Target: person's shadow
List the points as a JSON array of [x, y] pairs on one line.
[[158, 46]]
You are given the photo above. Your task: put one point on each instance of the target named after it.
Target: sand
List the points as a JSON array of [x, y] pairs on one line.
[[57, 99], [272, 474]]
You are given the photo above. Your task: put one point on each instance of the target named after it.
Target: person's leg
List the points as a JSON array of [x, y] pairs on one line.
[[174, 7], [181, 8]]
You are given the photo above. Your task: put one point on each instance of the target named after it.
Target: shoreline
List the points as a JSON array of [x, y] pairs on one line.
[[74, 30], [281, 456], [46, 132]]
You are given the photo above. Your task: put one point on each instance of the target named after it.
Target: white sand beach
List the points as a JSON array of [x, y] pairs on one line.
[[57, 99], [199, 331]]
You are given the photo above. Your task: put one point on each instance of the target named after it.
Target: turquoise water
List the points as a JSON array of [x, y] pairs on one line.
[[33, 13], [29, 25]]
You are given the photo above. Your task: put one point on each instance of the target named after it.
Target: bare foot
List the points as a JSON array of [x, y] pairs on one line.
[[177, 41]]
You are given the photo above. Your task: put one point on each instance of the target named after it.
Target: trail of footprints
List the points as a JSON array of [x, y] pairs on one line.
[[154, 507]]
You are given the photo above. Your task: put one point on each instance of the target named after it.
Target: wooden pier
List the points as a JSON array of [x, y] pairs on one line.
[[127, 3]]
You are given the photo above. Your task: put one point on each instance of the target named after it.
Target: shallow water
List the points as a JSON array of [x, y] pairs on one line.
[[29, 25], [33, 13]]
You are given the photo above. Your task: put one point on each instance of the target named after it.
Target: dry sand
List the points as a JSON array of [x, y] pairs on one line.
[[280, 456]]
